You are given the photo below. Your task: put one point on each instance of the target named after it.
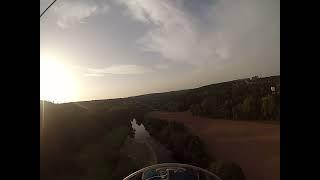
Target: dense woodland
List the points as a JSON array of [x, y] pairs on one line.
[[245, 99]]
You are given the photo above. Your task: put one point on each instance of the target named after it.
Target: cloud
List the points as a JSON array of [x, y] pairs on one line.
[[172, 33], [161, 66], [73, 12], [93, 75], [118, 70], [227, 30]]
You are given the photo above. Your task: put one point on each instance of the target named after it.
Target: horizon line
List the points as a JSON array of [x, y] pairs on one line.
[[152, 93]]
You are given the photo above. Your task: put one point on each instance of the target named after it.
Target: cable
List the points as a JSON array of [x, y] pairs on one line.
[[47, 8]]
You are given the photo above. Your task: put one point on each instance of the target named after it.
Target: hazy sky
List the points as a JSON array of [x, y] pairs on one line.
[[119, 48]]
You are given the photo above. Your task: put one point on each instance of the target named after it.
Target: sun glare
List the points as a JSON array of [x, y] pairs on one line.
[[56, 82]]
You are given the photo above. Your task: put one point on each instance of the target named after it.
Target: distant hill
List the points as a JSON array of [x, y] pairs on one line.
[[249, 98]]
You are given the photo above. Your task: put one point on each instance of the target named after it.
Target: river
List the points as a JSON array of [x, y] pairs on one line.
[[160, 153]]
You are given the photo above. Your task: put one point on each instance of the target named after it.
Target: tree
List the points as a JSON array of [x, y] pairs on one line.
[[268, 107], [209, 105], [249, 107], [228, 108], [195, 109], [236, 111], [174, 106], [192, 99], [246, 106], [227, 171]]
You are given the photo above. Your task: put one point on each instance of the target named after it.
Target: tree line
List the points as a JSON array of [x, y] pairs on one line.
[[255, 99]]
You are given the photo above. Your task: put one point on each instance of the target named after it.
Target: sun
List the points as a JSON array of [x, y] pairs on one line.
[[56, 81]]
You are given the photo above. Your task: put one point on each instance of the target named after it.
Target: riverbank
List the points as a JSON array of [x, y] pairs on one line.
[[157, 152]]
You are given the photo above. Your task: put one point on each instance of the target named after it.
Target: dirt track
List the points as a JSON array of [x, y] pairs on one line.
[[254, 146]]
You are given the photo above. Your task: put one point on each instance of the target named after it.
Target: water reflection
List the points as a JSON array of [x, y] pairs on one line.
[[141, 134], [159, 152]]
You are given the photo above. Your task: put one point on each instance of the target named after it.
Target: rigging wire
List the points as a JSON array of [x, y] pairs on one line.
[[47, 8]]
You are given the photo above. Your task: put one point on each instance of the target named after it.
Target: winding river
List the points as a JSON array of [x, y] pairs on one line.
[[160, 153]]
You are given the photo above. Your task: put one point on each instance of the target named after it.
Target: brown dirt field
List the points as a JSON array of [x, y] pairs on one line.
[[254, 146]]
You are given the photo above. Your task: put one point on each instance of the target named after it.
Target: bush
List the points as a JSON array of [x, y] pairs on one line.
[[227, 171], [195, 109]]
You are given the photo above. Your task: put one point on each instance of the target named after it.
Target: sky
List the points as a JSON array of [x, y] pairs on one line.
[[120, 48]]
